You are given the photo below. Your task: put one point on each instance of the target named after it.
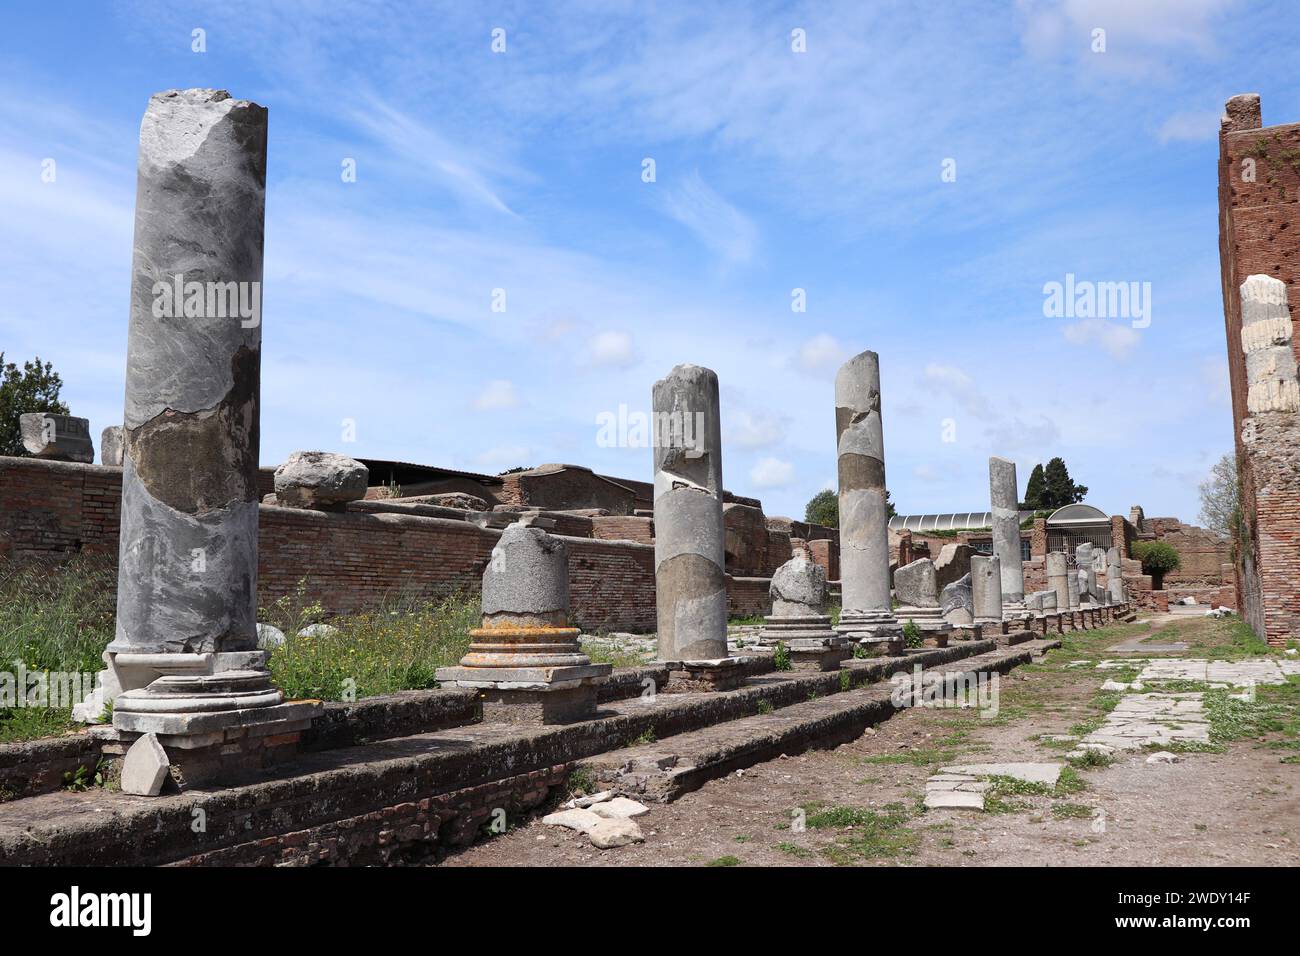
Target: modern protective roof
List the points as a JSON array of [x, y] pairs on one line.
[[1076, 514]]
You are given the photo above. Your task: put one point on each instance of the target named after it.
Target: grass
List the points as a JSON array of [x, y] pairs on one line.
[[54, 620], [865, 834], [396, 646], [724, 861], [601, 652], [795, 850]]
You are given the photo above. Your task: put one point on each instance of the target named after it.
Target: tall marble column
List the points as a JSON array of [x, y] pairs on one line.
[[864, 515], [690, 581], [185, 649], [1005, 505], [1058, 573]]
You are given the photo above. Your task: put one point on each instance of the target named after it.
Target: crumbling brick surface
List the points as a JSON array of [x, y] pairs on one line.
[[1259, 234]]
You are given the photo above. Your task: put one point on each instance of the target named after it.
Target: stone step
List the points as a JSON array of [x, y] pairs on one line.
[[454, 767], [664, 770]]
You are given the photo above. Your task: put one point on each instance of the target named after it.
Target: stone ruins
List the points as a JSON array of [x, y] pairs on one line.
[[186, 707]]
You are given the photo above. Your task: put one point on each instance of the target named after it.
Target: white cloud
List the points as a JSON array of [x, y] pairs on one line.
[[499, 393], [821, 353], [717, 223], [957, 384], [771, 473], [1052, 25], [926, 473], [612, 349], [1118, 340], [1189, 127], [754, 429]]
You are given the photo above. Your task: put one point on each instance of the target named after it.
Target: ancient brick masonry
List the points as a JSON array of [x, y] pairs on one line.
[[1259, 235]]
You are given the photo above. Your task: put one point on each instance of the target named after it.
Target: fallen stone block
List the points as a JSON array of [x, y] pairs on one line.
[[576, 819], [619, 808], [617, 831], [145, 767]]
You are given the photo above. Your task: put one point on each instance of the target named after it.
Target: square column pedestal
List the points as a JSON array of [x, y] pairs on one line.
[[517, 690], [809, 641], [878, 633]]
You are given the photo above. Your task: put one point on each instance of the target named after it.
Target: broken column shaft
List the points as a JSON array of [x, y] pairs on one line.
[[690, 539], [864, 513], [1004, 502]]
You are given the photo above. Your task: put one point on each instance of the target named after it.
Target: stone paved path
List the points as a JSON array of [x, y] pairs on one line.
[[1235, 673], [1141, 720]]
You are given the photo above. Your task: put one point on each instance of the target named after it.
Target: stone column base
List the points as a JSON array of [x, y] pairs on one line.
[[531, 695], [878, 633], [215, 745], [809, 640], [723, 673]]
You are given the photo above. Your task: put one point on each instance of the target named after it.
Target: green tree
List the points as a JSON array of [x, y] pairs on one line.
[[1059, 489], [823, 508], [33, 388], [1034, 491], [1158, 558]]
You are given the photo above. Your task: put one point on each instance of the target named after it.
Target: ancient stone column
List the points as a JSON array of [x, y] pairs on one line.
[[986, 587], [185, 651], [864, 515], [1004, 503], [525, 658], [1087, 576], [1072, 583], [1114, 576], [1058, 578], [799, 620], [690, 581]]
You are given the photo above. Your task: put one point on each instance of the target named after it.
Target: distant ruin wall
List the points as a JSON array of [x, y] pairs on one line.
[[54, 510]]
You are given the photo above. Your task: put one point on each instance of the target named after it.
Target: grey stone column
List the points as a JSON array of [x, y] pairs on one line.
[[188, 555], [690, 580], [1072, 583], [1005, 506], [1058, 578], [1114, 577], [1087, 576], [986, 587], [185, 651], [864, 515]]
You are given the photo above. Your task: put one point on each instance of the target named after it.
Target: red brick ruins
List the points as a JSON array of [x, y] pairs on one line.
[[382, 546], [1259, 235]]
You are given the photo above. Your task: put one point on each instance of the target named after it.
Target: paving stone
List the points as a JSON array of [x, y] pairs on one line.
[[619, 808], [954, 800], [1046, 773], [618, 831], [576, 819]]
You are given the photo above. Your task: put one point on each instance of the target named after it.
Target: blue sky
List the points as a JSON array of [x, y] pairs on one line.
[[774, 170]]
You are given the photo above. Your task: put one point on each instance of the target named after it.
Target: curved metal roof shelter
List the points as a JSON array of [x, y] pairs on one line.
[[1078, 514], [1070, 515]]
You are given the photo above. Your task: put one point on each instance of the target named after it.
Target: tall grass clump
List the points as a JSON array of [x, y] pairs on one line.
[[397, 645], [53, 618]]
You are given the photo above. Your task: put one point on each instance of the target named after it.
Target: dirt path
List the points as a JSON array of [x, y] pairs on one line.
[[862, 801]]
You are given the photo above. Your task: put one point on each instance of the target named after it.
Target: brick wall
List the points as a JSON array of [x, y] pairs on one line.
[[353, 559], [1259, 234], [57, 509]]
